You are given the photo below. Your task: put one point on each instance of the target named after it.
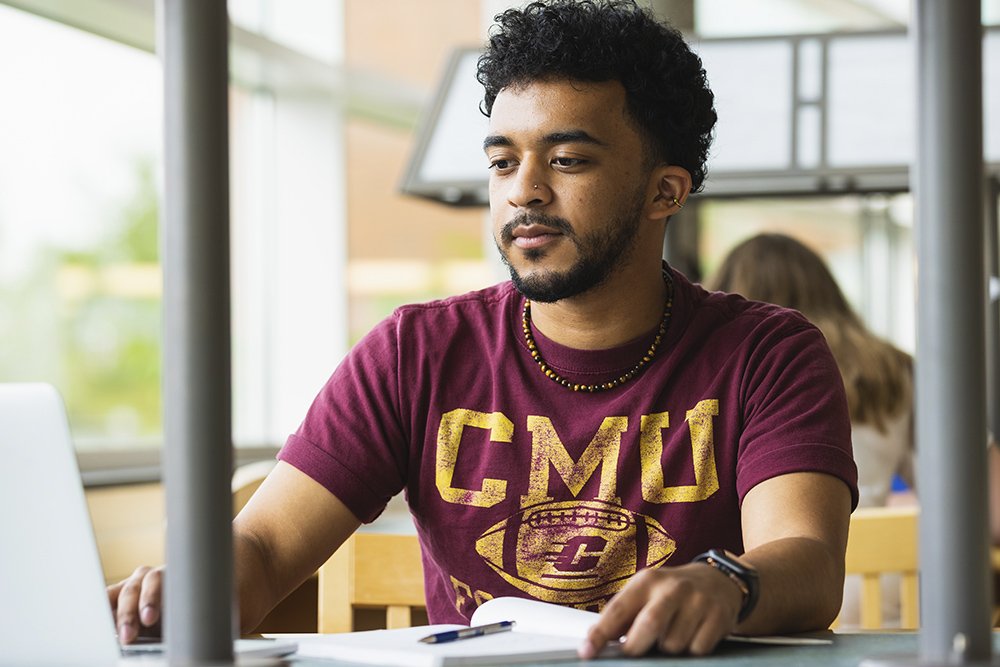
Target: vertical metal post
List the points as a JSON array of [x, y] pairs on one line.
[[680, 243], [198, 431], [950, 380], [992, 220]]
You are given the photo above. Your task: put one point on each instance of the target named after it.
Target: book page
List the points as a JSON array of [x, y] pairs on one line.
[[403, 648], [536, 617]]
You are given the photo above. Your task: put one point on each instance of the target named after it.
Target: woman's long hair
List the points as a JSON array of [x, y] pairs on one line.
[[778, 269]]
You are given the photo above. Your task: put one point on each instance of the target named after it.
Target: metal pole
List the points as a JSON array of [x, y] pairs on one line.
[[992, 220], [680, 243], [950, 379], [197, 415]]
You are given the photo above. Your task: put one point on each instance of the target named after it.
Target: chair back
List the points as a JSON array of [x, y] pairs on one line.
[[884, 541], [371, 571]]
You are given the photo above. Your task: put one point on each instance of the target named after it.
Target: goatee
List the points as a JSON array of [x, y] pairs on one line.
[[599, 254]]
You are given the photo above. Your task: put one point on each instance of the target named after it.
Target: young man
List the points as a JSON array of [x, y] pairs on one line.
[[585, 433]]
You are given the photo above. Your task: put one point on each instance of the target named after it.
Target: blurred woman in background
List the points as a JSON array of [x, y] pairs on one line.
[[878, 376]]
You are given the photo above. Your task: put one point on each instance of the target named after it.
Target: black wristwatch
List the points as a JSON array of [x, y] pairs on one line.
[[741, 574]]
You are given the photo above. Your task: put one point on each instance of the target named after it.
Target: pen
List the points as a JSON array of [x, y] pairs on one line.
[[466, 633]]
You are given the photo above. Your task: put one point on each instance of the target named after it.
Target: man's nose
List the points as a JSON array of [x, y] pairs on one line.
[[529, 189]]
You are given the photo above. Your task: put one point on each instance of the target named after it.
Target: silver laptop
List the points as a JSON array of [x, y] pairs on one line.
[[53, 605]]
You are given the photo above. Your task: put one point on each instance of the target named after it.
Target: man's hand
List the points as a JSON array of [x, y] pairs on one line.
[[136, 604], [287, 530], [800, 561], [686, 609]]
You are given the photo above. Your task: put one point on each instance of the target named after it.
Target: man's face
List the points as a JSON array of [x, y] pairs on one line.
[[567, 185]]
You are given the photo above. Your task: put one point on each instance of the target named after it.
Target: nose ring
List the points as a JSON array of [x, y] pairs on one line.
[[535, 187]]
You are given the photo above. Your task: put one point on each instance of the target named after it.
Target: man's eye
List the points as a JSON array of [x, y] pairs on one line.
[[500, 165], [567, 161]]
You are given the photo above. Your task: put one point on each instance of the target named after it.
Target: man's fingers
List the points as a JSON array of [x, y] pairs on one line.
[[610, 626], [127, 620], [150, 598], [708, 635], [677, 611], [669, 617], [617, 615], [657, 618], [114, 590], [676, 637], [599, 635]]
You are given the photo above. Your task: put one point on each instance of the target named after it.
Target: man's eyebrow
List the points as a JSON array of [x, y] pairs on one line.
[[572, 137], [496, 140], [553, 138]]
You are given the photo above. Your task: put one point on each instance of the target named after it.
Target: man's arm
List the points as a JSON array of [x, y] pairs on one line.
[[288, 529], [285, 533], [795, 535]]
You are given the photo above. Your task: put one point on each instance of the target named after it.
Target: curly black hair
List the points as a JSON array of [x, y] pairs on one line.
[[667, 93]]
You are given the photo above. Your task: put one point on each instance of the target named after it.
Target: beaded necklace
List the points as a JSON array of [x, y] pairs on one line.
[[611, 384]]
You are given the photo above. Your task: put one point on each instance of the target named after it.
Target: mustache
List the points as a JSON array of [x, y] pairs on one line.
[[534, 218]]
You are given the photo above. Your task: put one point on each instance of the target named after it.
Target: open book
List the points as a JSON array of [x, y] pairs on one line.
[[541, 632]]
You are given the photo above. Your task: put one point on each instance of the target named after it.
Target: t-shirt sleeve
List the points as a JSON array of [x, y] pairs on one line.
[[795, 411], [352, 440]]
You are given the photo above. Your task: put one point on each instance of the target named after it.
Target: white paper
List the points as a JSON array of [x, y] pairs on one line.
[[545, 632], [536, 617], [403, 648]]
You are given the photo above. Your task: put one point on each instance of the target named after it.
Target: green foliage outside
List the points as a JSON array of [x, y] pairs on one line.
[[89, 321]]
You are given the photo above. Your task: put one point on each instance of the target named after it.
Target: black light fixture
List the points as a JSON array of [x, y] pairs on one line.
[[448, 164]]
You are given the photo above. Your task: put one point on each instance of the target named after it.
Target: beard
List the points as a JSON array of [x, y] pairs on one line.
[[599, 254]]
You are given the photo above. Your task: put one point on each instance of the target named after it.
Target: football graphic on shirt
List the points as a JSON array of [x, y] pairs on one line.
[[580, 552]]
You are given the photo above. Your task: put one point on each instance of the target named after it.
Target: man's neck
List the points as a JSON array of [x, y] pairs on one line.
[[624, 308]]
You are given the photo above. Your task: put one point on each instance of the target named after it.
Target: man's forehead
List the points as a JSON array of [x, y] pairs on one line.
[[555, 106]]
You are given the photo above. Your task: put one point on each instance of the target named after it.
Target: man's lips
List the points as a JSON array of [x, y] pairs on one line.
[[534, 236]]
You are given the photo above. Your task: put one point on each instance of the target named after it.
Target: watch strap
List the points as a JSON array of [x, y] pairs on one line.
[[744, 576]]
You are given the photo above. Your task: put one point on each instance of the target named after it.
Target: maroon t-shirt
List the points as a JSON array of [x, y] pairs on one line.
[[519, 486]]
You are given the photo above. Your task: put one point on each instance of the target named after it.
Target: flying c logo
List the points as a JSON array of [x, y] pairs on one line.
[[581, 553]]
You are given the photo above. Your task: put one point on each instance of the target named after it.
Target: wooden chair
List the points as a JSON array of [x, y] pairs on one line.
[[371, 571], [884, 540]]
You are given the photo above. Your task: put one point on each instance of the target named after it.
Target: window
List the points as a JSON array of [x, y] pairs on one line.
[[79, 275], [80, 166]]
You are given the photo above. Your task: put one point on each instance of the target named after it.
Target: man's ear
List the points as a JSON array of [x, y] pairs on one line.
[[670, 186]]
